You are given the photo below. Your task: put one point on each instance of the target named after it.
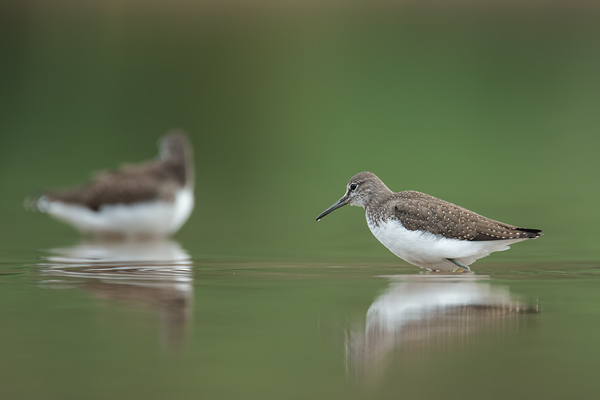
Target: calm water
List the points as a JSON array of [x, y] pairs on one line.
[[145, 320], [495, 110]]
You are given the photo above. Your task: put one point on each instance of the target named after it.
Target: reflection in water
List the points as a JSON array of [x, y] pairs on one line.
[[425, 313], [155, 275]]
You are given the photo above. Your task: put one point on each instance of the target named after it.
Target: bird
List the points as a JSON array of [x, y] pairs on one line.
[[151, 199], [426, 231]]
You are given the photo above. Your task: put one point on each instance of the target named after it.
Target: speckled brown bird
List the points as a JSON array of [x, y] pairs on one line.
[[424, 230], [154, 198]]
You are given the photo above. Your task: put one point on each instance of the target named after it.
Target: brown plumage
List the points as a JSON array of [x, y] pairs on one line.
[[152, 180], [422, 212], [151, 199], [424, 230]]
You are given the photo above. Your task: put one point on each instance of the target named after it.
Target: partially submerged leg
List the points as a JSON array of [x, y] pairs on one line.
[[460, 265]]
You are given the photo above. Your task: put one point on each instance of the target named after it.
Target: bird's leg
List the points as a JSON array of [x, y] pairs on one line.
[[462, 266]]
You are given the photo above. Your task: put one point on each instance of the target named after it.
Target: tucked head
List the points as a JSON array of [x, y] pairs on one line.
[[361, 189], [175, 146], [176, 151]]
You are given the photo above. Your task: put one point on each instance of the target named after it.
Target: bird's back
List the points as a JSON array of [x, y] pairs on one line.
[[423, 212]]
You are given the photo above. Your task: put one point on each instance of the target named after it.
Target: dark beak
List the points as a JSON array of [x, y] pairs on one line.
[[340, 203]]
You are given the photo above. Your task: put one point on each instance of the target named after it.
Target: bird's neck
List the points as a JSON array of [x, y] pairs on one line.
[[183, 170], [377, 198]]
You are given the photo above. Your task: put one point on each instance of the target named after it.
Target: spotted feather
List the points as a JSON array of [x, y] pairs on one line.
[[422, 212]]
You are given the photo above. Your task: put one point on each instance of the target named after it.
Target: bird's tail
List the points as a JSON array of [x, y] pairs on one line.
[[531, 233], [36, 203]]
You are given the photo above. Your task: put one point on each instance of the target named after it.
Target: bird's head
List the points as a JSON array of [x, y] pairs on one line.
[[360, 191]]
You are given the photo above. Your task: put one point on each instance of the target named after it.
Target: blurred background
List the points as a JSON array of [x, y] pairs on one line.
[[493, 106]]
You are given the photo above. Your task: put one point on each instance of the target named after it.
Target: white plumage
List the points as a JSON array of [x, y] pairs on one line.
[[151, 218], [426, 231], [150, 199], [431, 251]]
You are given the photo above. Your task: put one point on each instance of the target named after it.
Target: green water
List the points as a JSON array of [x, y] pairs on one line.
[[492, 109]]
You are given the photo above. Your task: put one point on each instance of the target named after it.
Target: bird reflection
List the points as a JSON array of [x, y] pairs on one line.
[[153, 275], [422, 314]]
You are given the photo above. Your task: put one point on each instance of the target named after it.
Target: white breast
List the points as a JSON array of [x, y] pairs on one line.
[[184, 204], [152, 218], [431, 251]]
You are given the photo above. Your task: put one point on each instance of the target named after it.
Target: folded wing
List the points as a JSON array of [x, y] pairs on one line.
[[420, 211]]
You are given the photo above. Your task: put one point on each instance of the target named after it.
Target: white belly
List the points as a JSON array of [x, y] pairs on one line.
[[431, 251], [152, 218]]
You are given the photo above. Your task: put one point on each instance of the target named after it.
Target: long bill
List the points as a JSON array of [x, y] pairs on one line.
[[340, 203]]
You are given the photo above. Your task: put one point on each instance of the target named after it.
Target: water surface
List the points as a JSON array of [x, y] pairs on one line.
[[145, 320]]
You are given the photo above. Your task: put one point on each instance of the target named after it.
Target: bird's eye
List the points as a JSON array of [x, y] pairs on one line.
[[353, 186]]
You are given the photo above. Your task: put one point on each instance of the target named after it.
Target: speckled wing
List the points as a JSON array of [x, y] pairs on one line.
[[420, 211], [130, 184]]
